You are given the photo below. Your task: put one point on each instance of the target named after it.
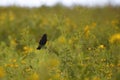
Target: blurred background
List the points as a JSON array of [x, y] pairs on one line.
[[38, 3]]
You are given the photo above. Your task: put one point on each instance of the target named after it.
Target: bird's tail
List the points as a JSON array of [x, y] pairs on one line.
[[39, 47]]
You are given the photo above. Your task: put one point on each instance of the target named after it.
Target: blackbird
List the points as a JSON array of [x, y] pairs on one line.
[[42, 42]]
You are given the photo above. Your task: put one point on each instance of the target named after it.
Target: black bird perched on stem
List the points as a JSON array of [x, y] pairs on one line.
[[43, 41]]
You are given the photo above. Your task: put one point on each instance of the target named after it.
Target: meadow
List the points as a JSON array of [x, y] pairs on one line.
[[83, 43]]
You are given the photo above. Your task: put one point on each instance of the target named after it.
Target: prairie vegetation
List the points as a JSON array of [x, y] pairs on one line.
[[83, 43]]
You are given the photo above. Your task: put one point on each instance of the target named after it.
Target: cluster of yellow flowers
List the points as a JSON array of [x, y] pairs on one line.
[[115, 38], [27, 49], [12, 64]]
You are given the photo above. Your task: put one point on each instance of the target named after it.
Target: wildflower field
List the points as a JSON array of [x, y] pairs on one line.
[[83, 43]]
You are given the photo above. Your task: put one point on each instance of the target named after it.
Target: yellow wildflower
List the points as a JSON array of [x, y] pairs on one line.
[[13, 60], [7, 65], [28, 69], [13, 42], [11, 65], [62, 39], [27, 49], [70, 41], [114, 22], [86, 30], [89, 48], [109, 75], [56, 76], [96, 78], [101, 46], [112, 65], [53, 62], [103, 60], [115, 38], [108, 78], [15, 65], [34, 76], [23, 62], [2, 72]]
